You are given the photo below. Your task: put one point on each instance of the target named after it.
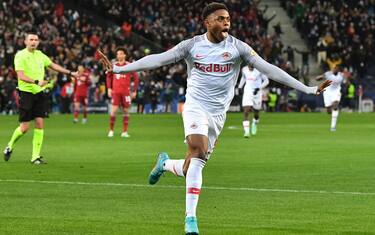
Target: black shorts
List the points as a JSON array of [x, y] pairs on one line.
[[32, 106]]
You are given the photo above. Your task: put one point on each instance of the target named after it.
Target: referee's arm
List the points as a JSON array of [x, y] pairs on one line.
[[21, 75], [60, 69]]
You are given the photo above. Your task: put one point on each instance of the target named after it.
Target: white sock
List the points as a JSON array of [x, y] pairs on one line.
[[193, 185], [246, 126], [335, 114], [175, 166], [255, 121]]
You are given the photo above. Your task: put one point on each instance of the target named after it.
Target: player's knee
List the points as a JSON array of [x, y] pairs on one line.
[[198, 150], [187, 161], [24, 128]]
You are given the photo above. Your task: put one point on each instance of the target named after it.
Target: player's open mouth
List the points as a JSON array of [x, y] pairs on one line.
[[224, 33]]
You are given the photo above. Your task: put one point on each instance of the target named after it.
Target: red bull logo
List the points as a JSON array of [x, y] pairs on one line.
[[215, 68]]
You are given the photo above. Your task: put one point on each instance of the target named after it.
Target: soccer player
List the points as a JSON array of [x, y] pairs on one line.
[[213, 62], [252, 97], [332, 95], [81, 87], [30, 65], [120, 92]]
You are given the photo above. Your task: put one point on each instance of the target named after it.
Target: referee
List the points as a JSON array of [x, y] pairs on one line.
[[30, 65]]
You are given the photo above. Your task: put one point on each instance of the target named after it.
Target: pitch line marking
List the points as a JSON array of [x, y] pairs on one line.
[[183, 187]]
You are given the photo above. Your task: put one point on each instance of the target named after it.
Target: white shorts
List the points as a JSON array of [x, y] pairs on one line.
[[198, 121], [331, 97], [249, 99]]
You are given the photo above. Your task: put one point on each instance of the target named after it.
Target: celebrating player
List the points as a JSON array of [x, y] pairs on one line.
[[213, 61], [119, 90], [30, 65], [332, 95], [252, 97], [81, 86]]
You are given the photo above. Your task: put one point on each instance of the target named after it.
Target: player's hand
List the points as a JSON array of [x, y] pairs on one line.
[[105, 61], [134, 95], [74, 75], [42, 83], [109, 93], [322, 87]]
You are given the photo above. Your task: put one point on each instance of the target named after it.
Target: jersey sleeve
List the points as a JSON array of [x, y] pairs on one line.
[[153, 61], [265, 81], [135, 78], [88, 80], [246, 52], [108, 79], [19, 62]]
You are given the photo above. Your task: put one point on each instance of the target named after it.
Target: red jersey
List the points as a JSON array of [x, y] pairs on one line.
[[82, 85], [120, 83]]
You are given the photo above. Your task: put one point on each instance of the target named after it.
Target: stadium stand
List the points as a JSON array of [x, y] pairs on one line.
[[71, 31]]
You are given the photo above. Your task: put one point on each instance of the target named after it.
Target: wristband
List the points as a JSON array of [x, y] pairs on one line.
[[36, 82]]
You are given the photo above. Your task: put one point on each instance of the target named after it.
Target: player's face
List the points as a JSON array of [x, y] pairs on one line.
[[218, 24], [120, 55], [32, 41]]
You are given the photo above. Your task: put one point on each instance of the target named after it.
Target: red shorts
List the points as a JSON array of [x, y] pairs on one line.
[[80, 99], [121, 99]]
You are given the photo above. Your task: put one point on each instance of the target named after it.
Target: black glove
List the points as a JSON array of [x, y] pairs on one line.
[[256, 90]]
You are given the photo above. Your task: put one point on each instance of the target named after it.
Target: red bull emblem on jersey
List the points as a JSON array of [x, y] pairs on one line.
[[194, 126], [216, 68], [226, 55]]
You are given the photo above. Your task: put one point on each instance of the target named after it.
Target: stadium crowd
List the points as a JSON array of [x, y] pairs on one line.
[[71, 37], [339, 32]]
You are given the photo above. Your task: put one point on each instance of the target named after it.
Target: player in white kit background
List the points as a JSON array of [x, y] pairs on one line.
[[213, 65], [254, 82], [332, 95]]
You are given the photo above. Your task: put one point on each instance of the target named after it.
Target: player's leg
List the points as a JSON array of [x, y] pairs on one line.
[[85, 102], [25, 116], [126, 116], [246, 102], [17, 134], [112, 119], [38, 141], [256, 106], [39, 113], [246, 122], [254, 124], [194, 163], [335, 114], [76, 107]]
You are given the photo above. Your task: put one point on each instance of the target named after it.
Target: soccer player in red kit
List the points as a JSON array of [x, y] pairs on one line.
[[120, 92], [81, 86]]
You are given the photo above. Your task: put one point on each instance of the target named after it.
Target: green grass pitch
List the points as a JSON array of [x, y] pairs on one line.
[[294, 177]]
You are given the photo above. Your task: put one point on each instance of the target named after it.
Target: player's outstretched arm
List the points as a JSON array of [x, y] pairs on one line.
[[279, 75], [153, 61], [146, 63]]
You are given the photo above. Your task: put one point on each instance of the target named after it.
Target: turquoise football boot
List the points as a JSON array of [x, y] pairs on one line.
[[191, 226], [158, 170], [254, 128]]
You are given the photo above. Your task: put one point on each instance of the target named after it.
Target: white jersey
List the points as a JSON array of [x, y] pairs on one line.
[[252, 79], [337, 79], [213, 69]]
